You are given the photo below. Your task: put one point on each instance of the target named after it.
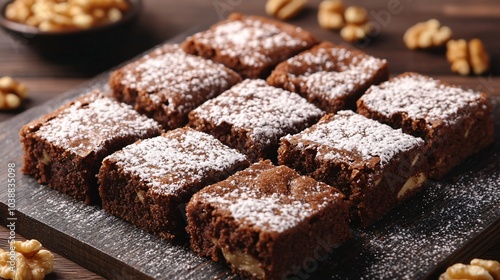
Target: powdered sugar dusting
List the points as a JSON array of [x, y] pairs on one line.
[[332, 85], [268, 213], [177, 159], [267, 112], [86, 126], [420, 234], [255, 43], [275, 211], [420, 97], [334, 71], [354, 133], [176, 79]]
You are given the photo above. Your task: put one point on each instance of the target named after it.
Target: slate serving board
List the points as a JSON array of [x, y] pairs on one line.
[[456, 218]]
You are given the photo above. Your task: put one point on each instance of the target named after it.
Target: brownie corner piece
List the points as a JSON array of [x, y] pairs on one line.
[[454, 122], [252, 116], [375, 166], [148, 183], [266, 220], [330, 76], [250, 45], [64, 149], [167, 84]]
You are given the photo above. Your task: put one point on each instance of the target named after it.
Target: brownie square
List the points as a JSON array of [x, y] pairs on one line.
[[329, 76], [267, 221], [168, 83], [250, 45], [64, 149], [454, 122], [149, 182], [375, 166], [252, 116]]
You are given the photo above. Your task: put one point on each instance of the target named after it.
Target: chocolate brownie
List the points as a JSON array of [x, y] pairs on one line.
[[454, 122], [374, 165], [168, 83], [267, 221], [252, 116], [64, 149], [329, 76], [250, 45], [149, 182]]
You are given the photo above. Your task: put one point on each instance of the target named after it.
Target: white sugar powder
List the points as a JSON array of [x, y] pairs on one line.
[[180, 157], [83, 128], [420, 97], [267, 112], [355, 133]]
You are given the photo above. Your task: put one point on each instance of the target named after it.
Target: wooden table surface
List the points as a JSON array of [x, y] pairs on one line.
[[163, 19]]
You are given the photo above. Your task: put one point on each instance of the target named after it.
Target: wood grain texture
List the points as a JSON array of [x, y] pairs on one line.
[[162, 19], [63, 269]]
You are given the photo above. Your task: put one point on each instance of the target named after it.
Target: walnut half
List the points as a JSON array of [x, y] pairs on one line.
[[467, 57], [12, 93], [31, 262], [426, 35], [477, 270], [285, 9]]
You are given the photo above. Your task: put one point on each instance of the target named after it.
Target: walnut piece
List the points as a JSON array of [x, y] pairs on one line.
[[31, 262], [477, 270], [466, 58], [285, 9], [353, 32], [412, 183], [55, 15], [356, 15], [331, 14], [357, 25], [472, 272], [12, 93], [351, 21], [426, 35], [478, 57], [244, 262], [493, 267]]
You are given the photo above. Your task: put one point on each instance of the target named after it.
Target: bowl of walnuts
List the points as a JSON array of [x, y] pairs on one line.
[[61, 26]]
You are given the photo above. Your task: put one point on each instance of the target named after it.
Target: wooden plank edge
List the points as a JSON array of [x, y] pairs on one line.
[[473, 248], [66, 246]]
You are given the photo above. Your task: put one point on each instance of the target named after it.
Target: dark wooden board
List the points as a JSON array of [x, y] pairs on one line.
[[63, 269], [449, 220]]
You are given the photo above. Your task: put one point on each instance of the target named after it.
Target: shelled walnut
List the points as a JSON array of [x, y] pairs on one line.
[[285, 9], [357, 25], [57, 15], [12, 93], [492, 266], [31, 262], [466, 58], [477, 270], [331, 14], [425, 35], [351, 21]]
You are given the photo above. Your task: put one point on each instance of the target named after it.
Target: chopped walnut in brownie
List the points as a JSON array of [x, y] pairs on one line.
[[454, 122], [374, 165]]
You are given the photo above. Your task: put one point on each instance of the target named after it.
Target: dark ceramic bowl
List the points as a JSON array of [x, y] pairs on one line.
[[72, 41]]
